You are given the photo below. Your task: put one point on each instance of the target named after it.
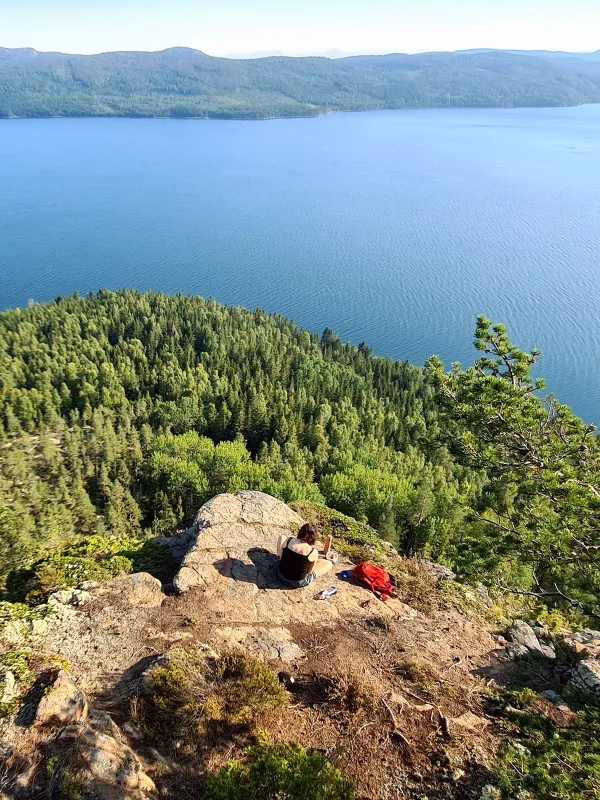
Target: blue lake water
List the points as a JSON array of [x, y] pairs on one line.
[[393, 227]]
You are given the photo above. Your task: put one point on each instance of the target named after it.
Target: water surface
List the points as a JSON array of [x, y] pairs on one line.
[[397, 228]]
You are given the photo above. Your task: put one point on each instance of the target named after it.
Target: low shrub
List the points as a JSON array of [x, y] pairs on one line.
[[355, 693], [193, 696], [416, 586], [548, 760], [274, 772]]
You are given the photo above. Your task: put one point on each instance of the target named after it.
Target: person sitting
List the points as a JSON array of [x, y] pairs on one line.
[[299, 563]]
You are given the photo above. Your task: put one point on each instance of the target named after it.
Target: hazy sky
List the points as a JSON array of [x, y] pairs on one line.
[[224, 27]]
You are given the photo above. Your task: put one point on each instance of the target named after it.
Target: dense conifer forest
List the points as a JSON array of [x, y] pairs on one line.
[[121, 413], [187, 83]]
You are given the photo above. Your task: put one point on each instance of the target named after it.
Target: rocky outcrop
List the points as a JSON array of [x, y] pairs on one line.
[[63, 704], [585, 677], [224, 526], [104, 765], [586, 642], [231, 565]]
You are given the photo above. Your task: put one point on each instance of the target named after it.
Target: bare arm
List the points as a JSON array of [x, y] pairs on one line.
[[280, 543]]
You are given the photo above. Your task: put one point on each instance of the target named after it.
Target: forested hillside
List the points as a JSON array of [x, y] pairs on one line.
[[188, 83], [120, 414]]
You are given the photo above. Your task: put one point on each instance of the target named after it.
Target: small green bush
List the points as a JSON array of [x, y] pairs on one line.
[[16, 662], [278, 772]]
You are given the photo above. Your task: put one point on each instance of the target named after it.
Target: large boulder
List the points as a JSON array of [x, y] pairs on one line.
[[63, 704], [139, 589], [522, 636], [227, 525], [522, 633], [231, 566]]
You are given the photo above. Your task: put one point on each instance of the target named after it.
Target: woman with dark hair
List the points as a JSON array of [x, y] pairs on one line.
[[299, 563]]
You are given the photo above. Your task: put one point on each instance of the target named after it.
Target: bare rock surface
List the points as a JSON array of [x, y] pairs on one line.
[[63, 704], [232, 563], [69, 597]]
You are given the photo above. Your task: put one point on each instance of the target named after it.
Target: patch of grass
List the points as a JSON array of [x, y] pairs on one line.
[[193, 696], [550, 760], [96, 558], [17, 662], [421, 673], [20, 612], [379, 623], [273, 772]]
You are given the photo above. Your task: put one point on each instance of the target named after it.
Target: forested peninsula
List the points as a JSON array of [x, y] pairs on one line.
[[181, 82], [122, 413]]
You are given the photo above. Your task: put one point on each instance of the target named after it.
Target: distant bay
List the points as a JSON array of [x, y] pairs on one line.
[[396, 228]]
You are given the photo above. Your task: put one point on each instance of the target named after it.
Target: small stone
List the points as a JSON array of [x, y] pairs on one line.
[[69, 597], [547, 650], [458, 775], [522, 633], [516, 651], [107, 767], [139, 589], [490, 792], [483, 595], [64, 703], [470, 721], [87, 586], [556, 700], [37, 627], [11, 691], [102, 722], [439, 572]]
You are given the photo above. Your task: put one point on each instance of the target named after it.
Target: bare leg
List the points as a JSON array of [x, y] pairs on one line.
[[322, 567]]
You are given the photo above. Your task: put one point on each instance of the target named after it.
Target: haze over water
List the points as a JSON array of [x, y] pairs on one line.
[[397, 228]]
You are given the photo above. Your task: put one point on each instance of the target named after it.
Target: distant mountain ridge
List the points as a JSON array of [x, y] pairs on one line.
[[182, 82]]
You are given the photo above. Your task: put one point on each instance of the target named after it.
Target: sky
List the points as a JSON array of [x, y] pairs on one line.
[[299, 27]]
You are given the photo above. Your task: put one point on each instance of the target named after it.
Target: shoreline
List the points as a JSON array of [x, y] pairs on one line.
[[325, 113]]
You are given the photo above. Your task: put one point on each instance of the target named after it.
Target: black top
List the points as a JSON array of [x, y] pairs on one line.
[[294, 566]]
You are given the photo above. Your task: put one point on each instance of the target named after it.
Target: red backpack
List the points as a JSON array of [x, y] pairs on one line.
[[374, 578]]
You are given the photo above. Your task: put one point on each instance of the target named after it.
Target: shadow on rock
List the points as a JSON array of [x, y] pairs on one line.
[[260, 572]]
